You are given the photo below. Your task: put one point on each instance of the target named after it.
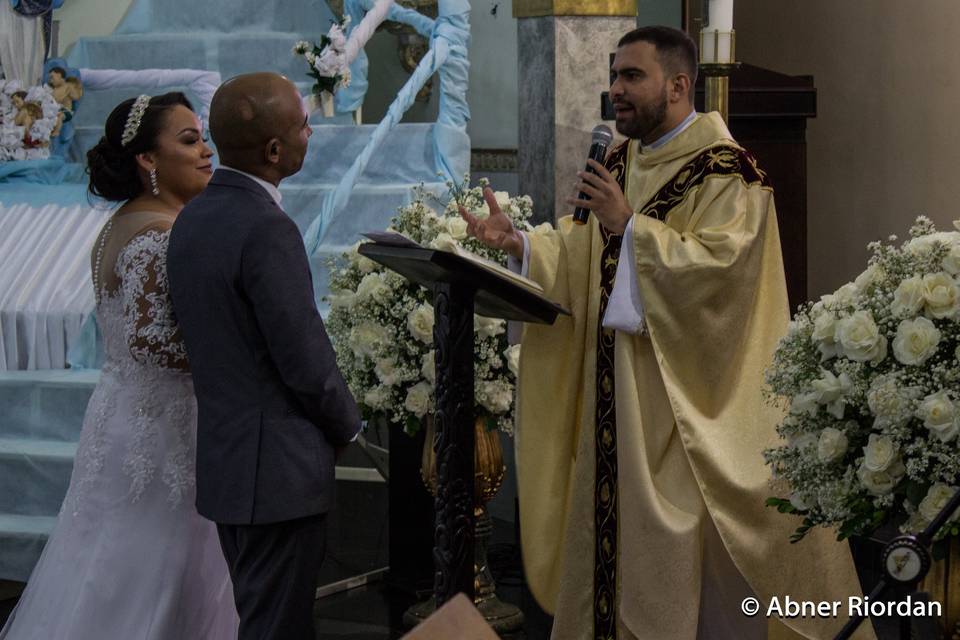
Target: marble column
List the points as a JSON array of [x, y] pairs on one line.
[[564, 49]]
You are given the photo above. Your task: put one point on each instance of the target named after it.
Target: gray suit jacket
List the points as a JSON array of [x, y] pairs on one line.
[[272, 404]]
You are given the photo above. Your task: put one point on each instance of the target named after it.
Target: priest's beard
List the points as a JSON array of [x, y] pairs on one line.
[[647, 118]]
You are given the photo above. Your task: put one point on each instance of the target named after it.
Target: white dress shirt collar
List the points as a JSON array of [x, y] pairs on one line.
[[269, 188], [670, 135]]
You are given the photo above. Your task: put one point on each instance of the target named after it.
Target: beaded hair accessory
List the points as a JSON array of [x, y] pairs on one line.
[[133, 119]]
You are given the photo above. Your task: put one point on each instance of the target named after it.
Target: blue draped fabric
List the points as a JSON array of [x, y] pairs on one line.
[[449, 42], [52, 170]]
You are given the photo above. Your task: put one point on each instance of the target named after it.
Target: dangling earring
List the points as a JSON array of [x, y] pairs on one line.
[[153, 182]]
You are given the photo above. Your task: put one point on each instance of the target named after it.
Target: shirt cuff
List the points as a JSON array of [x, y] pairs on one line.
[[625, 308], [518, 266]]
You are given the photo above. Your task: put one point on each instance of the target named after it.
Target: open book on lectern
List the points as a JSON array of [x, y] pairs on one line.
[[500, 293], [394, 239]]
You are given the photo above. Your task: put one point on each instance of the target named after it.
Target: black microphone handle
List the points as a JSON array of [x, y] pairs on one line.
[[598, 152]]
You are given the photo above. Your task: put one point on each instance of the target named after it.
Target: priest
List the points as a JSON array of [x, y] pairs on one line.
[[641, 418]]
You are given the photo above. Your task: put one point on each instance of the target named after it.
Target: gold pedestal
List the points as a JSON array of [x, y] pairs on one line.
[[489, 471], [717, 87]]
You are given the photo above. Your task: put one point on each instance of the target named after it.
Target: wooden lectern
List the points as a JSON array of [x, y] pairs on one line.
[[460, 287]]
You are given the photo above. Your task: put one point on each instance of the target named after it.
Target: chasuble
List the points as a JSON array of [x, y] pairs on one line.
[[639, 457]]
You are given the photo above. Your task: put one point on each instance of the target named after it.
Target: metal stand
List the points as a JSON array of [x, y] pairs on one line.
[[906, 560], [717, 77]]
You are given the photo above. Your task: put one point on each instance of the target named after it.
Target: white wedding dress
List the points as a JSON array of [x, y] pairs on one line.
[[130, 558]]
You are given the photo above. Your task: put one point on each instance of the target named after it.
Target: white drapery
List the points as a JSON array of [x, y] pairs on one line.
[[45, 288], [21, 46]]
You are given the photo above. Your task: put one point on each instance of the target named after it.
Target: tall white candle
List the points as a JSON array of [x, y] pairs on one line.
[[720, 19]]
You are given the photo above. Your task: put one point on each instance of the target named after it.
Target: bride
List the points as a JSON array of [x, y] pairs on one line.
[[130, 557]]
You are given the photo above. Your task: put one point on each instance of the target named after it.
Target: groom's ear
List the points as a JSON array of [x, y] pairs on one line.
[[272, 151]]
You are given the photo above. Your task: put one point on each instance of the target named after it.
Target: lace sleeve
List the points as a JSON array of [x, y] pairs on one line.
[[150, 327]]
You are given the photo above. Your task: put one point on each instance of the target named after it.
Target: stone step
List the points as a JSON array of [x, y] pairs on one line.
[[45, 405], [34, 475], [21, 542], [405, 157], [229, 53], [252, 16]]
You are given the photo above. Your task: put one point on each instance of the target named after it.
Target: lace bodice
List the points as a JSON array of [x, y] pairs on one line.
[[141, 420], [149, 332]]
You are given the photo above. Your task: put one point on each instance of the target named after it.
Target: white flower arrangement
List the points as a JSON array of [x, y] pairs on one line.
[[19, 142], [872, 377], [381, 325], [329, 66]]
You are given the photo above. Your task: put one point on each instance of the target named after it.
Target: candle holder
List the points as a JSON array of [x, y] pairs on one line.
[[716, 72]]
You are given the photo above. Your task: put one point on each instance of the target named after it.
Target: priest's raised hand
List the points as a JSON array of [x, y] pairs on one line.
[[496, 230]]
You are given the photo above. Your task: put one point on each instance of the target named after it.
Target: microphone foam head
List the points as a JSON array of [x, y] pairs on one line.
[[602, 135]]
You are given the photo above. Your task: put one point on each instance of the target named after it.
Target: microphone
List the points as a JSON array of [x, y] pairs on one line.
[[602, 137]]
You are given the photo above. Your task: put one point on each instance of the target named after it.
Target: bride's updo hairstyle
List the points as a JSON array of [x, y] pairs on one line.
[[112, 166]]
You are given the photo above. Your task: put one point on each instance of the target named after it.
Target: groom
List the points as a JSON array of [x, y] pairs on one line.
[[272, 407]]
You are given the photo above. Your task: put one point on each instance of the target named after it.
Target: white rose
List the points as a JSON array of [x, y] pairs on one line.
[[951, 261], [847, 294], [361, 262], [940, 415], [908, 298], [377, 397], [916, 341], [798, 503], [881, 482], [366, 338], [386, 370], [880, 453], [936, 499], [921, 246], [832, 390], [941, 295], [372, 287], [337, 40], [444, 242], [341, 299], [805, 403], [870, 276], [860, 338], [802, 441], [428, 367], [457, 228], [512, 355], [420, 322], [488, 327], [418, 400], [831, 445], [824, 332]]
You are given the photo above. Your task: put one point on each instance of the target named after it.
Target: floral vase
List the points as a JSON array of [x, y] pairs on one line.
[[488, 473], [942, 584]]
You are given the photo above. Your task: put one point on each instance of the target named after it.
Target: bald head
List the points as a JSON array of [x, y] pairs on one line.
[[252, 113]]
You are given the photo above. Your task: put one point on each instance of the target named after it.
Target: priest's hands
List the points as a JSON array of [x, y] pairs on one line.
[[497, 230], [606, 199]]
